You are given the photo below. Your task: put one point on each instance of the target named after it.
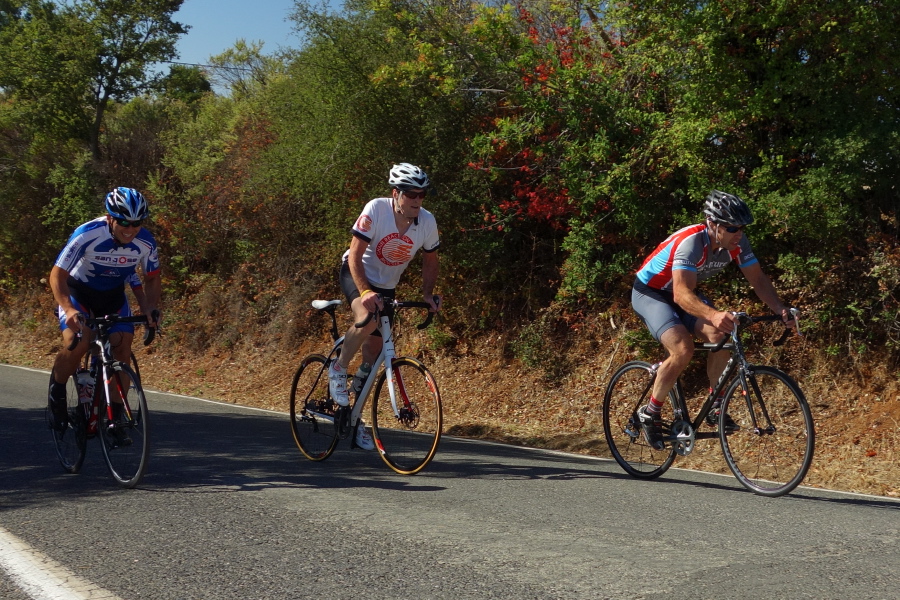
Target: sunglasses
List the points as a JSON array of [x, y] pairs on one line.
[[414, 195], [127, 223], [734, 228]]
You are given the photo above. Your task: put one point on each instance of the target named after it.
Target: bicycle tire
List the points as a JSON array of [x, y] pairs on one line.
[[134, 365], [768, 462], [627, 391], [127, 462], [407, 442], [71, 442], [312, 410]]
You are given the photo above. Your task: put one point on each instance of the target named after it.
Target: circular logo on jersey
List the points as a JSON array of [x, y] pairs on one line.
[[394, 250], [364, 223]]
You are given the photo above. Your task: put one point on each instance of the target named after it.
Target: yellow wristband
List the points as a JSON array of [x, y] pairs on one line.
[[364, 292]]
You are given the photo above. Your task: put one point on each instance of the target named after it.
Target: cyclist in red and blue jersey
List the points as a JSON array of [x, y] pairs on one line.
[[89, 277], [665, 296]]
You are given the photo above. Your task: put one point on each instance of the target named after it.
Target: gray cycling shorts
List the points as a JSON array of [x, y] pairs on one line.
[[658, 310]]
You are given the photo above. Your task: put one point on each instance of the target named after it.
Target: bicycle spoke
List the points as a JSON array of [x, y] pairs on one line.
[[124, 437], [626, 392], [407, 439], [71, 442], [772, 458], [312, 411]]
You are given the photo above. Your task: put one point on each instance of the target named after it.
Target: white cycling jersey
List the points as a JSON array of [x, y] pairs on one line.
[[388, 253]]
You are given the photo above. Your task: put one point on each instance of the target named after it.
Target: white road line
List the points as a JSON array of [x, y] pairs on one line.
[[41, 577]]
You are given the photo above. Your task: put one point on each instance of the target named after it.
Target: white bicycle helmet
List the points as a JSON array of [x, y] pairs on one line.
[[408, 177]]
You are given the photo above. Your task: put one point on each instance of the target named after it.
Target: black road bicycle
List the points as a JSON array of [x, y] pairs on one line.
[[769, 452]]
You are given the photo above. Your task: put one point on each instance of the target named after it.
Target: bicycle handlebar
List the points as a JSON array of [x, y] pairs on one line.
[[744, 320], [397, 304], [149, 333]]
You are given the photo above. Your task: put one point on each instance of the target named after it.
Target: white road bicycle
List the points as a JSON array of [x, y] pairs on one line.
[[406, 414]]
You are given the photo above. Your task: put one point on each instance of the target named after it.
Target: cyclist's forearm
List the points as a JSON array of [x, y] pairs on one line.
[[59, 285], [765, 290], [152, 293], [430, 270]]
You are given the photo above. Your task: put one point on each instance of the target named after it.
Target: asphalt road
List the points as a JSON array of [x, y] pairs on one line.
[[230, 509]]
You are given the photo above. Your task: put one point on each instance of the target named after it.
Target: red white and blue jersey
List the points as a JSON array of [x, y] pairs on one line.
[[94, 258], [689, 249], [388, 253]]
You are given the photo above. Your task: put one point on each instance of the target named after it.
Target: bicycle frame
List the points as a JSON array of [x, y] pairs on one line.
[[386, 357], [737, 364]]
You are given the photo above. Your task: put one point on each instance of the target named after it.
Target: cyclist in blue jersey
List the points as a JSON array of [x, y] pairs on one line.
[[665, 296], [386, 236], [89, 277]]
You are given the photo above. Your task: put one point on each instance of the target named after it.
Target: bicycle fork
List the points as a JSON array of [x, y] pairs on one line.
[[753, 397]]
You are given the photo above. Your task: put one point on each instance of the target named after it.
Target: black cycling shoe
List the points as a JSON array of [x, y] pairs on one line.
[[652, 428], [119, 436], [59, 414], [713, 419]]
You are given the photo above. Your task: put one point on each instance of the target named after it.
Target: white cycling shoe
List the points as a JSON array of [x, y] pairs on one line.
[[363, 438], [337, 384]]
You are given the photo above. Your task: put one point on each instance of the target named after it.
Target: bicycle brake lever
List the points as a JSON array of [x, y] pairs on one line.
[[430, 317], [795, 313], [787, 330], [78, 335], [150, 332]]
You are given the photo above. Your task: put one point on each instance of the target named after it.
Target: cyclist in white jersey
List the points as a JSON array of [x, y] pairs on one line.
[[89, 277], [665, 297], [386, 236]]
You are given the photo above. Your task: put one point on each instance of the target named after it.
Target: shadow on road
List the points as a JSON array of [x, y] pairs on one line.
[[227, 452]]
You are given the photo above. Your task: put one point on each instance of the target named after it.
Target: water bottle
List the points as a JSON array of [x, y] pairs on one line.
[[360, 378], [85, 384]]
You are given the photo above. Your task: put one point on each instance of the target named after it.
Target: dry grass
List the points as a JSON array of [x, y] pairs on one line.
[[487, 395]]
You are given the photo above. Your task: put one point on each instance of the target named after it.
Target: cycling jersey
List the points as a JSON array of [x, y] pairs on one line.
[[387, 252], [689, 249], [94, 259]]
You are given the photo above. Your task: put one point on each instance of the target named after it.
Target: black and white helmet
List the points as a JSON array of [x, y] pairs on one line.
[[408, 177], [728, 209], [127, 203]]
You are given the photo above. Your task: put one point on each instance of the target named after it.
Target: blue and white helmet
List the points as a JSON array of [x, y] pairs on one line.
[[408, 177], [128, 204]]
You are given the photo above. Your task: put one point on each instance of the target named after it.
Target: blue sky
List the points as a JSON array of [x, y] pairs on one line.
[[217, 24]]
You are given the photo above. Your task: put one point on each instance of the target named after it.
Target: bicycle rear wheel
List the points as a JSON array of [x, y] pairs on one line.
[[628, 390], [408, 438], [125, 440], [772, 458], [71, 442], [312, 410]]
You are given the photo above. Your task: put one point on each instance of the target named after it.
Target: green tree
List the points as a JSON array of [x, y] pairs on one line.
[[62, 64]]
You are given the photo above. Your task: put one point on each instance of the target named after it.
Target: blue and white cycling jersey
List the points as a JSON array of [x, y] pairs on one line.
[[93, 258]]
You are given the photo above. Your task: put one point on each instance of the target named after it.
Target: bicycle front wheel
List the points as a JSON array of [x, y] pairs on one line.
[[628, 390], [312, 410], [772, 457], [71, 442], [125, 437], [407, 438]]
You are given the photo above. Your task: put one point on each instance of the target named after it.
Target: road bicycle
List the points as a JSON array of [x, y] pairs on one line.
[[769, 452], [124, 437], [406, 415]]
